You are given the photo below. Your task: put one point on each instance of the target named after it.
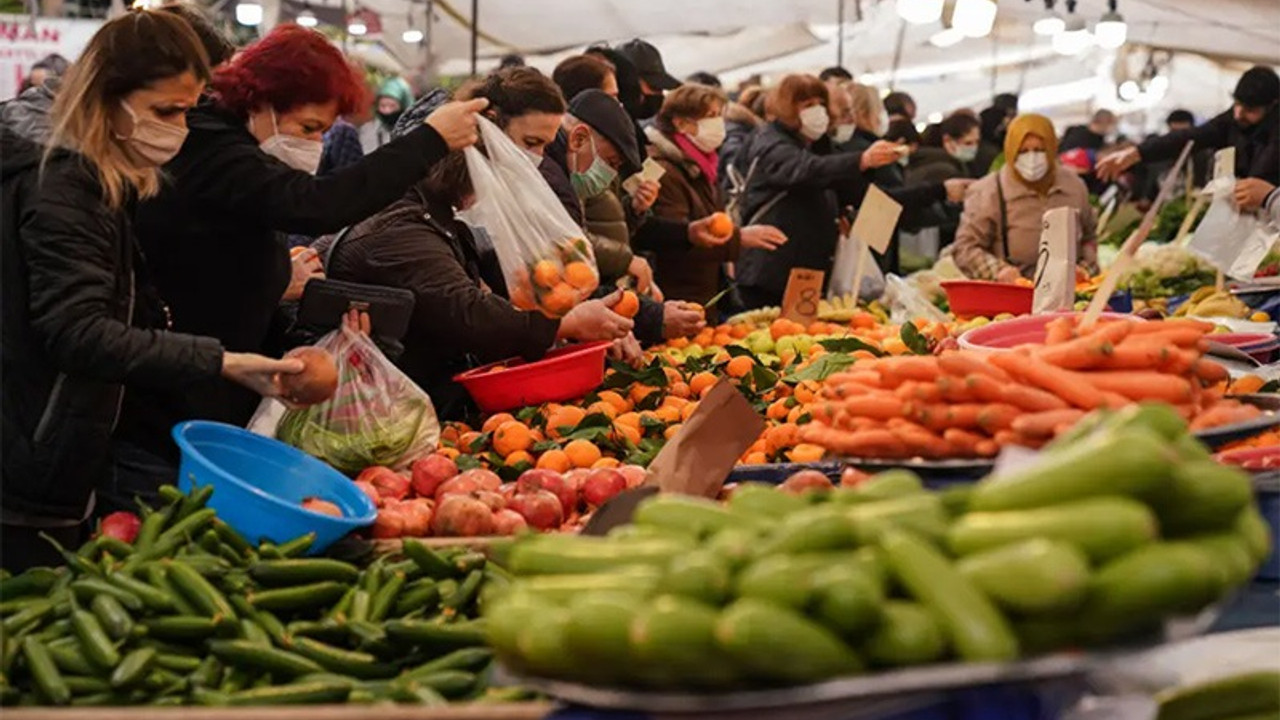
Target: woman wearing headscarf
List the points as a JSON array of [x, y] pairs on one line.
[[999, 234]]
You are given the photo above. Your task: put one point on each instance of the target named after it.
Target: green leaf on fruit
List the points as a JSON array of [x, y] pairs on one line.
[[649, 424], [479, 444], [468, 462], [527, 414], [918, 344], [848, 345], [740, 351], [593, 434], [822, 368], [762, 378], [595, 420], [544, 446]]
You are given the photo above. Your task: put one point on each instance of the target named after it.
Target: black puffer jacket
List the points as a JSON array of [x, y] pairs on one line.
[[811, 176], [72, 302], [1257, 147]]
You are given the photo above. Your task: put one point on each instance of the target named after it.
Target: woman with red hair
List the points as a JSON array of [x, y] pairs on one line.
[[214, 237]]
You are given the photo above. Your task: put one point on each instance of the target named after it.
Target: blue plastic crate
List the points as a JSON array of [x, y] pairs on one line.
[[1269, 504]]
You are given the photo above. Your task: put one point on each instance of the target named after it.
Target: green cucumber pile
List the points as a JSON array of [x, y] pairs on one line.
[[191, 614], [1117, 528]]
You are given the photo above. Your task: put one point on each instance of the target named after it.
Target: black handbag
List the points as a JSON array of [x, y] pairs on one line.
[[325, 302]]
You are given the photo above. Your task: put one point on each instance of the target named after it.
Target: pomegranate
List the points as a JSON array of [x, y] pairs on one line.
[[852, 477], [634, 474], [417, 516], [389, 484], [461, 485], [507, 491], [552, 482], [318, 380], [508, 522], [484, 479], [121, 525], [601, 485], [492, 500], [541, 509], [324, 507], [430, 471], [368, 489], [804, 481], [462, 516], [389, 524]]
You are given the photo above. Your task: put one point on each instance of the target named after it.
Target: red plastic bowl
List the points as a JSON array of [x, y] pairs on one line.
[[1260, 346], [564, 374], [1029, 330], [978, 298], [1258, 459]]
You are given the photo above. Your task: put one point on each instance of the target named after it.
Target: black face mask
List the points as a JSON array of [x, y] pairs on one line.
[[389, 119], [648, 107]]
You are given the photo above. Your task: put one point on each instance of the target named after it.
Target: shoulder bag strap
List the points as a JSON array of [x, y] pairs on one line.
[[1004, 217], [328, 253]]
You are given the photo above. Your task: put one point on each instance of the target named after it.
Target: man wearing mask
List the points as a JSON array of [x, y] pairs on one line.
[[654, 78], [1251, 126], [900, 106], [393, 97]]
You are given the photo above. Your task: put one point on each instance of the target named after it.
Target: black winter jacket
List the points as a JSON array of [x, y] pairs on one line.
[[1257, 148], [74, 332], [810, 176], [213, 239]]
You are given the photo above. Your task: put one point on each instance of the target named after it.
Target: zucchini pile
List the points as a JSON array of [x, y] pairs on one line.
[[192, 614], [1120, 526]]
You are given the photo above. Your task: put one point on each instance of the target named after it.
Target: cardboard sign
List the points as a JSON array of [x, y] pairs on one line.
[[651, 170], [696, 461], [877, 219], [1056, 264], [804, 291]]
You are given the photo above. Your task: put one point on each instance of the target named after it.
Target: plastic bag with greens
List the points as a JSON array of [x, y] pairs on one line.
[[378, 416]]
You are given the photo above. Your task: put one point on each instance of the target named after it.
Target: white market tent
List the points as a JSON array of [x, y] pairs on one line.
[[1206, 45]]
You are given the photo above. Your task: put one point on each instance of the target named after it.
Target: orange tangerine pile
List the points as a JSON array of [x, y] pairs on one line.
[[554, 285]]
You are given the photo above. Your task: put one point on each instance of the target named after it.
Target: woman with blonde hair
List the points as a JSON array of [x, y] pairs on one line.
[[79, 320]]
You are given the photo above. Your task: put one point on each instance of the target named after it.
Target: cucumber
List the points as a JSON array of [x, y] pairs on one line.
[[469, 659], [781, 580], [1159, 418], [1153, 582], [774, 644], [976, 630], [1104, 528], [507, 615], [245, 654], [112, 615], [598, 634], [545, 555], [1133, 463], [1203, 497], [1232, 554], [673, 642], [908, 634], [1251, 526], [847, 600], [542, 645], [309, 693], [696, 515], [560, 589], [922, 514], [700, 575], [436, 635], [347, 662], [888, 485], [1246, 694], [812, 530], [301, 572], [299, 597], [955, 500], [737, 545], [133, 668], [1032, 577], [759, 501]]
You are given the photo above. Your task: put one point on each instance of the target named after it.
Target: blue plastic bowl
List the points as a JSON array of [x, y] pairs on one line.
[[259, 485]]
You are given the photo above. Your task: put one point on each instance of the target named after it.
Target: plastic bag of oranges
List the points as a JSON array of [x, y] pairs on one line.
[[547, 264]]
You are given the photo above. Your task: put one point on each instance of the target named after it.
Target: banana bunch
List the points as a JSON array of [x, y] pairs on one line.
[[1211, 302], [759, 316], [838, 309]]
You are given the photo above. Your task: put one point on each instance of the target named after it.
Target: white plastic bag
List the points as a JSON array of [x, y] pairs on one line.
[[1232, 241], [906, 304], [1056, 262], [546, 261], [845, 269], [378, 416]]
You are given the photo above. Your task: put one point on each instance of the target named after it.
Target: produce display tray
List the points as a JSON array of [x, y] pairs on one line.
[[496, 711], [1216, 437], [930, 470], [776, 473]]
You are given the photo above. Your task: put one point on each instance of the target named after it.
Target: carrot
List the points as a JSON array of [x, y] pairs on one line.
[[964, 442], [924, 443], [1059, 330], [877, 407], [823, 412], [1179, 361], [896, 370], [1025, 397], [996, 417], [1086, 351], [1181, 336], [1046, 424], [924, 392], [1226, 412], [1063, 383], [965, 416], [868, 443], [932, 416], [987, 448], [1114, 401], [1147, 328], [961, 363], [1142, 385], [953, 389], [868, 378], [1209, 371], [849, 390], [1006, 437], [984, 388]]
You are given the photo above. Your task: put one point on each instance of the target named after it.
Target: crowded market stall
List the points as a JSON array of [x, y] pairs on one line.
[[908, 360]]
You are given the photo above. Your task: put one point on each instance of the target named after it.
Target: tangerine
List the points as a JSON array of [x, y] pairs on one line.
[[700, 382], [511, 436], [556, 460], [755, 458], [602, 408], [625, 431], [806, 453], [519, 457], [559, 300], [582, 453], [628, 304], [546, 274], [581, 276], [564, 419], [721, 225], [618, 402], [451, 453], [671, 431], [495, 420], [739, 367], [606, 462]]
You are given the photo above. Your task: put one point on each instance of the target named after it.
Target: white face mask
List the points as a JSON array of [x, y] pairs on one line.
[[534, 157], [814, 122], [844, 133], [709, 135], [1032, 165], [152, 140], [883, 127], [298, 153], [964, 153]]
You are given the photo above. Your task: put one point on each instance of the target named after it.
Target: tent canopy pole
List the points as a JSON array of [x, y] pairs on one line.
[[475, 34]]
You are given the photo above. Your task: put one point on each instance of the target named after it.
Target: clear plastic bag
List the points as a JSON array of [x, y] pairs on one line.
[[378, 416], [906, 303], [546, 260], [845, 269], [1232, 241]]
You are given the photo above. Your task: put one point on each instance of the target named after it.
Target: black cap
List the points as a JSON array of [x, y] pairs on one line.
[[648, 62], [1258, 87], [1180, 116], [607, 117]]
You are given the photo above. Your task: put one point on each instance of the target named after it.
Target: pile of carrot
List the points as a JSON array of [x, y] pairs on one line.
[[965, 404]]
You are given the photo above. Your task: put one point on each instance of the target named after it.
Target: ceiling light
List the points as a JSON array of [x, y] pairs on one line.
[[974, 18], [1158, 86], [946, 38], [920, 12], [307, 19], [1074, 40], [249, 13], [1129, 91], [412, 36], [1111, 31], [357, 27], [1050, 25], [935, 117]]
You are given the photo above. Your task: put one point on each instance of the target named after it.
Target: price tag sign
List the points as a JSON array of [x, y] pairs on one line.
[[804, 290], [651, 170], [877, 219], [1056, 264]]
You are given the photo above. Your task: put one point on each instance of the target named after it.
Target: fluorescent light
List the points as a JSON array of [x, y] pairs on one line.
[[249, 13], [412, 36], [307, 19], [946, 38], [935, 117], [1111, 31], [1074, 40], [920, 12], [357, 27], [974, 18], [1049, 25], [1129, 91]]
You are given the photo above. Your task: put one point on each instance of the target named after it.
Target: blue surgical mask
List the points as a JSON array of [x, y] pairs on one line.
[[596, 179]]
